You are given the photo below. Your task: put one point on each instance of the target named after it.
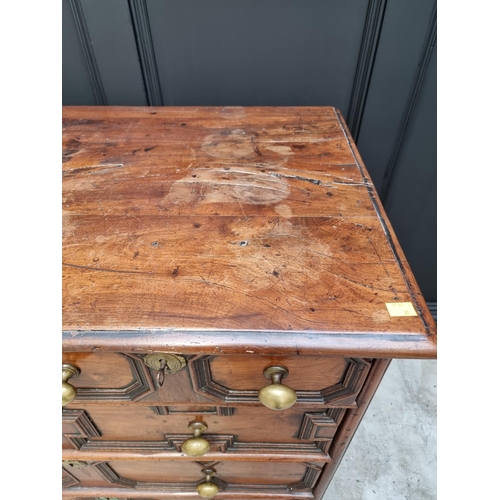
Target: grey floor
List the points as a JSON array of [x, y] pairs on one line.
[[393, 453]]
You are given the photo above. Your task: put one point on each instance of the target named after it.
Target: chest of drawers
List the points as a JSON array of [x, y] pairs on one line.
[[232, 296]]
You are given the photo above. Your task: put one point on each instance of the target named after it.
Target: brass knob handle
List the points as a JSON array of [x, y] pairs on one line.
[[207, 489], [277, 396], [196, 446], [68, 391]]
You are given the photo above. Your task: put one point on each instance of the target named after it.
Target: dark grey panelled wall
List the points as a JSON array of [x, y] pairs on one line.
[[257, 52], [375, 60]]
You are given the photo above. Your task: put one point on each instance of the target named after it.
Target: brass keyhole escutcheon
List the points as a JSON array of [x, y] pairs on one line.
[[196, 446], [68, 391], [277, 396], [164, 364], [207, 489]]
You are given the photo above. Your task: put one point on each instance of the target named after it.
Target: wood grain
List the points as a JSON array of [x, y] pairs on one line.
[[139, 423], [182, 477], [222, 380], [305, 373], [349, 425], [223, 221], [92, 493], [231, 472], [99, 370]]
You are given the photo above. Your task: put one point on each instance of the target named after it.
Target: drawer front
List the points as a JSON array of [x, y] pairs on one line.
[[241, 433], [136, 479], [222, 380], [159, 495]]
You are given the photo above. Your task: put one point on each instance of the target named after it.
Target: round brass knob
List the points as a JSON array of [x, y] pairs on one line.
[[207, 489], [68, 391], [277, 396], [196, 446]]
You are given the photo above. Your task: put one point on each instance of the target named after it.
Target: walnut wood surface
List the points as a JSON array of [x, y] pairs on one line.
[[304, 372], [249, 424], [99, 370], [206, 226], [98, 433], [349, 425], [231, 472], [182, 477], [114, 366], [223, 380], [190, 472], [93, 493]]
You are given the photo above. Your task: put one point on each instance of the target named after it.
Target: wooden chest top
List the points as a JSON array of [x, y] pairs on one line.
[[229, 230]]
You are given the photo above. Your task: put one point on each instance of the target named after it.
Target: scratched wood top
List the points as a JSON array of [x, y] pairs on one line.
[[216, 225]]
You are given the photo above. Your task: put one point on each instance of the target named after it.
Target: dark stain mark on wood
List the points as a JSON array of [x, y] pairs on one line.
[[73, 143], [102, 269], [135, 255], [149, 149], [91, 169], [175, 272], [256, 150], [71, 123], [298, 177], [70, 148]]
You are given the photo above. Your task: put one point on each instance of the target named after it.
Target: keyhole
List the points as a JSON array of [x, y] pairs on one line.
[[160, 376]]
